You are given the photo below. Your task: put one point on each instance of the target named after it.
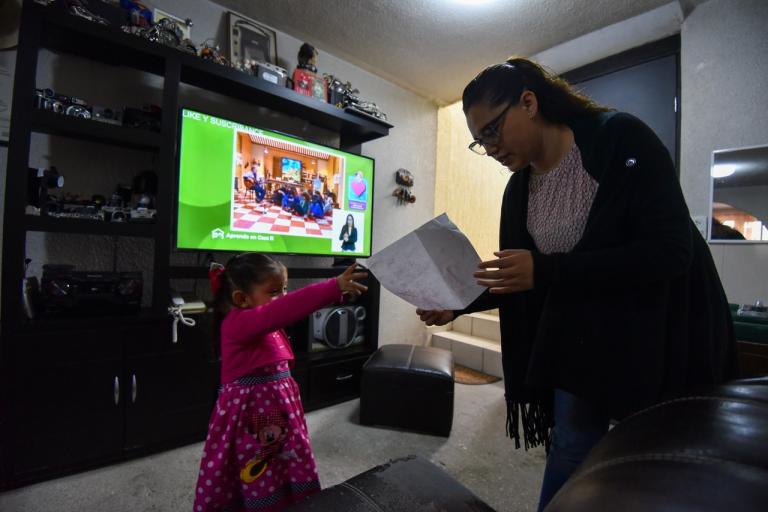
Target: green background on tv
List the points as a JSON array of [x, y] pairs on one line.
[[206, 182]]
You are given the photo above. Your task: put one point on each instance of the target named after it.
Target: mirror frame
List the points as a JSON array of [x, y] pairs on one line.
[[710, 215]]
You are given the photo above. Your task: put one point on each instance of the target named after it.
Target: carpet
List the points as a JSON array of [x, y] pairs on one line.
[[464, 375]]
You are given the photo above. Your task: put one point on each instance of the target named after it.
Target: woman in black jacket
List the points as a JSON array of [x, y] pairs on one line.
[[608, 297], [348, 235]]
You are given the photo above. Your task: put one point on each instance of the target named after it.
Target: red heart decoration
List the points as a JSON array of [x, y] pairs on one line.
[[358, 187]]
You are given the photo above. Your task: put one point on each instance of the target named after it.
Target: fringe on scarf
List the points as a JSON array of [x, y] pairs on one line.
[[536, 421]]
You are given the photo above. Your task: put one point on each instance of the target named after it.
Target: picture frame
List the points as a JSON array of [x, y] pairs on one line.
[[249, 40], [186, 30]]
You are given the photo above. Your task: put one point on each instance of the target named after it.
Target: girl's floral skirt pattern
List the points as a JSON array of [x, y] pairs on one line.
[[257, 455]]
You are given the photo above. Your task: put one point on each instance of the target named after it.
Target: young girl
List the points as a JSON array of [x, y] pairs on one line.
[[257, 454]]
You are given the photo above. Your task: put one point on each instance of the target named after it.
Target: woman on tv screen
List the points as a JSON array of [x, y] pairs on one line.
[[348, 234]]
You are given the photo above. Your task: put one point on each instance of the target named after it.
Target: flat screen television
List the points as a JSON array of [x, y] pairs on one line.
[[291, 169], [241, 188]]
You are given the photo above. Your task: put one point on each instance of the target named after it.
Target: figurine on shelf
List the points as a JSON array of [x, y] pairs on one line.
[[212, 52], [80, 9], [140, 15], [368, 108], [343, 96], [404, 180], [305, 78], [166, 31], [271, 73], [338, 91]]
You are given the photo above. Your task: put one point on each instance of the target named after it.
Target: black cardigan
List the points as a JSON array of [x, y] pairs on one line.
[[635, 313]]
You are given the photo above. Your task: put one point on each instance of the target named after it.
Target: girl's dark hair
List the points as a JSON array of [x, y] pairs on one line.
[[349, 216], [558, 102], [242, 272]]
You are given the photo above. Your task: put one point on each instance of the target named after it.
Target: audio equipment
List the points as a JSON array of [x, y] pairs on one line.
[[339, 326], [65, 290]]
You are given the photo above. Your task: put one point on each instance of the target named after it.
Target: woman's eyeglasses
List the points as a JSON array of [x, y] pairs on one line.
[[490, 134]]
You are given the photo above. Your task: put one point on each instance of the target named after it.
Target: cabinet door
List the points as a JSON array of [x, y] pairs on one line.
[[169, 395], [334, 382], [66, 400]]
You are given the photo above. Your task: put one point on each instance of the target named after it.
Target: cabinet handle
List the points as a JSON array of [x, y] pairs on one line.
[[116, 390], [340, 378], [134, 388]]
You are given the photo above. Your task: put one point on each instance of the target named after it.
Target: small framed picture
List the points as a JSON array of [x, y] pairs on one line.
[[250, 41], [186, 30]]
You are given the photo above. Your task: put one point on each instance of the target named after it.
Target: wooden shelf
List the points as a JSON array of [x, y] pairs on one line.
[[104, 353], [330, 355], [45, 121], [90, 227], [53, 323], [233, 83], [65, 33], [62, 32]]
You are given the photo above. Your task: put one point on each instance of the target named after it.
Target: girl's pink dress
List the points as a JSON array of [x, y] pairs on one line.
[[257, 455]]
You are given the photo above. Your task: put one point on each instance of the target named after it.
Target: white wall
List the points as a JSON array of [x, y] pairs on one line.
[[411, 144], [724, 74]]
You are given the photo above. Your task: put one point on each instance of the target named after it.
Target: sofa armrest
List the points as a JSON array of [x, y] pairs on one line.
[[411, 484]]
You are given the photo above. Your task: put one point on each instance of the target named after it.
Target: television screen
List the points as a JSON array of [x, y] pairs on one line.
[[242, 188], [291, 169]]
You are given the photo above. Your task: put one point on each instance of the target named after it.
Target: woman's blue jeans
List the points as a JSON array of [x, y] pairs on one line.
[[579, 425]]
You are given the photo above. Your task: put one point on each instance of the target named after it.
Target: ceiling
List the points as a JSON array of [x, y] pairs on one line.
[[434, 47], [750, 166]]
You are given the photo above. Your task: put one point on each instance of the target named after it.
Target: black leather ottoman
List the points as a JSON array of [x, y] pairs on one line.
[[412, 484], [408, 387]]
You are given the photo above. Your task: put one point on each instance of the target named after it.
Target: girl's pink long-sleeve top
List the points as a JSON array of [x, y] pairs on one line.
[[253, 337]]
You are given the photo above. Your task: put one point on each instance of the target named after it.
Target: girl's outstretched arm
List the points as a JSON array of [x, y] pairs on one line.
[[282, 311]]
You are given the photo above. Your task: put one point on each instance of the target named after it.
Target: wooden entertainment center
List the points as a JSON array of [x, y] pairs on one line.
[[80, 392]]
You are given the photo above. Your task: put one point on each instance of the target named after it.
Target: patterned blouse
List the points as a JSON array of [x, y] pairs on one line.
[[558, 204]]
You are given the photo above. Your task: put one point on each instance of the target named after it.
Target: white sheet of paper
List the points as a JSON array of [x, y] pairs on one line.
[[431, 267]]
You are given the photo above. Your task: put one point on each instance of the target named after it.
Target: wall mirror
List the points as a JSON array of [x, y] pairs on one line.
[[739, 200]]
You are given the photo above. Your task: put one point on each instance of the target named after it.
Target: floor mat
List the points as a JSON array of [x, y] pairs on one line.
[[464, 375]]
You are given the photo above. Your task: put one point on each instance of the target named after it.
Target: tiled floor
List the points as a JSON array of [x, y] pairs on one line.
[[477, 454], [265, 217]]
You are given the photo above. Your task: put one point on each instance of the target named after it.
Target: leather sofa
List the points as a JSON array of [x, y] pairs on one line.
[[706, 453], [699, 453], [411, 484]]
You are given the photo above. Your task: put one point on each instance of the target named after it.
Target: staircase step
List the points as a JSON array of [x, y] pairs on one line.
[[486, 326], [432, 329], [480, 325], [477, 353], [462, 324]]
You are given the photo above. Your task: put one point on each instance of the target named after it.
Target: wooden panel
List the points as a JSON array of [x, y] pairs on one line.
[[334, 382], [45, 121], [170, 387], [468, 187], [64, 406], [168, 397]]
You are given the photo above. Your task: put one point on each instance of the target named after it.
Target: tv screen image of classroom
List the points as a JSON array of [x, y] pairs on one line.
[[242, 188]]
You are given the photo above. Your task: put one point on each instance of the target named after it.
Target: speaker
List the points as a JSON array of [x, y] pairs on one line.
[[66, 291], [339, 326]]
